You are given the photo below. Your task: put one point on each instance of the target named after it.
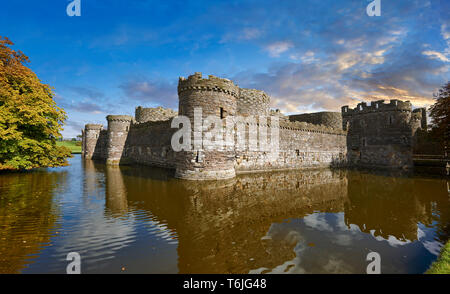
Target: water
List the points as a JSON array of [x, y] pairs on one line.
[[142, 220]]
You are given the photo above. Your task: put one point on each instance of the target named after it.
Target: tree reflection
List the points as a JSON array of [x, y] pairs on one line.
[[28, 215]]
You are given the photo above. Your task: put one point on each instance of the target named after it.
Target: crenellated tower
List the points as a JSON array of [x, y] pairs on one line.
[[253, 102], [90, 137], [381, 134], [215, 97], [118, 128]]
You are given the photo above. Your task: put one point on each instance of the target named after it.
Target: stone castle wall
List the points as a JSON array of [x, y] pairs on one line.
[[149, 143], [380, 135], [94, 141], [153, 114], [329, 119], [301, 145], [253, 102], [216, 97]]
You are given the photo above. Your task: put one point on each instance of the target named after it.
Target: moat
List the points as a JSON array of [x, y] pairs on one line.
[[133, 219]]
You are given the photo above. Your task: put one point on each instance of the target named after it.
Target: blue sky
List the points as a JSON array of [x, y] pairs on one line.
[[307, 55]]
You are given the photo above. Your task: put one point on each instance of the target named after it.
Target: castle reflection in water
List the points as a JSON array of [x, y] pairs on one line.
[[142, 219], [252, 223]]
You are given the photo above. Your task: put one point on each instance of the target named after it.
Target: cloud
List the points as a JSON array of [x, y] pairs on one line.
[[349, 58], [87, 92], [80, 99], [74, 125], [436, 55], [277, 48], [87, 107], [317, 221], [244, 34], [151, 91], [433, 247]]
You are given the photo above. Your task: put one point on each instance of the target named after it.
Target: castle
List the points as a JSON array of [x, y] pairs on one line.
[[379, 135]]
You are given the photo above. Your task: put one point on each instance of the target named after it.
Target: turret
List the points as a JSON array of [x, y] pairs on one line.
[[118, 128], [253, 102], [215, 97], [90, 138], [380, 134]]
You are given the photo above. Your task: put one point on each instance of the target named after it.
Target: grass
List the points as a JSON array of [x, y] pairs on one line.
[[74, 146], [442, 264]]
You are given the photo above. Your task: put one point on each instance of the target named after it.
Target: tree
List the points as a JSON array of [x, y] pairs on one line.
[[440, 116], [30, 120]]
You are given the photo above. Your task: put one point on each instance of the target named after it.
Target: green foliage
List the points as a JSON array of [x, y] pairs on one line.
[[30, 120], [73, 146], [440, 115], [442, 264]]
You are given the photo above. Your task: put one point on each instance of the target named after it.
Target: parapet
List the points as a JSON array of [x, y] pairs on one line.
[[253, 101], [254, 96], [377, 106], [309, 127], [124, 118], [93, 127], [153, 114], [212, 83], [328, 119]]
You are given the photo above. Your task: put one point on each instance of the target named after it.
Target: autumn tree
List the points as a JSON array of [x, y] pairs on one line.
[[440, 116], [30, 120]]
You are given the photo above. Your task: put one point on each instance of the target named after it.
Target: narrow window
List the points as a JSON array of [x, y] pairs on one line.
[[127, 128], [198, 156], [390, 119], [221, 113], [364, 142], [297, 152]]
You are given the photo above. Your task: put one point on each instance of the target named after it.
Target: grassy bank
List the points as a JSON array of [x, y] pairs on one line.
[[442, 264], [74, 146]]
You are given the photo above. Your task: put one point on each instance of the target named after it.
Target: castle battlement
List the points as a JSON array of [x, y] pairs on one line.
[[377, 106], [253, 102], [212, 83], [379, 134], [94, 127], [123, 118], [149, 124], [153, 114]]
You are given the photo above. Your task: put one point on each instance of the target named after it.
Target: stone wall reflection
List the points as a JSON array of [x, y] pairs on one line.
[[394, 206], [97, 175], [222, 226], [116, 193]]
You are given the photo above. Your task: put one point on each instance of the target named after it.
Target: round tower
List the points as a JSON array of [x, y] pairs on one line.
[[379, 134], [153, 114], [90, 137], [118, 128], [253, 102], [215, 97]]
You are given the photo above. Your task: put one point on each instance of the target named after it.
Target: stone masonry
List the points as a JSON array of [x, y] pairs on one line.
[[379, 135], [382, 134]]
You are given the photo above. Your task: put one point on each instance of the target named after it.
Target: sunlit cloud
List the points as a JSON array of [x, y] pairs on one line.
[[277, 48], [436, 55]]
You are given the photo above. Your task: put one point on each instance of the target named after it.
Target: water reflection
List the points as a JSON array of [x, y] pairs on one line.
[[141, 219], [27, 216], [279, 221]]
